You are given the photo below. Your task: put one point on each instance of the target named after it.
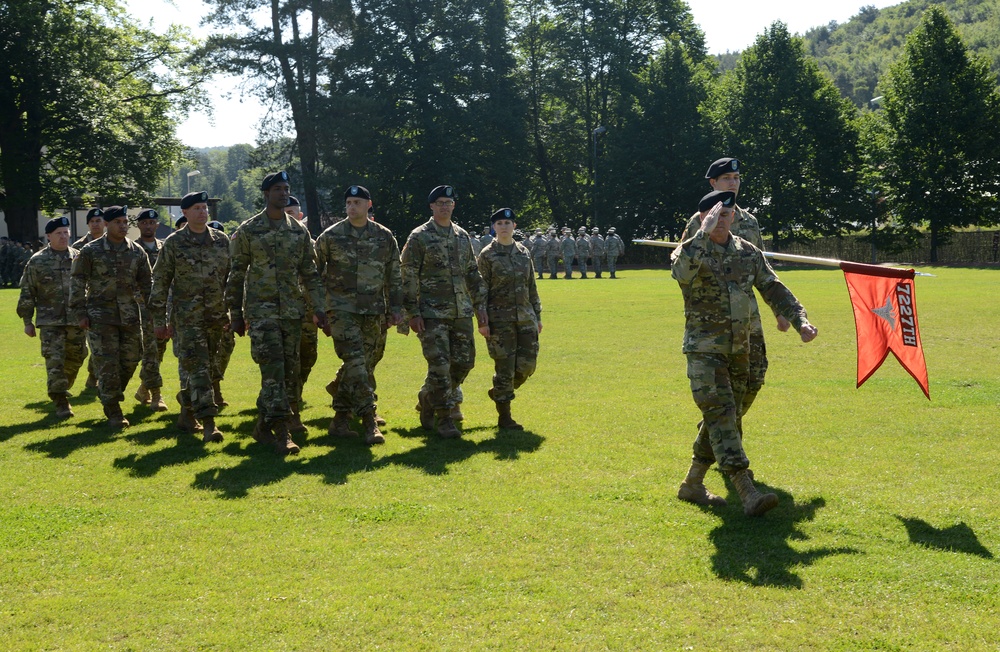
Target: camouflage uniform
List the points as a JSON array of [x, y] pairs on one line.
[[539, 247], [109, 284], [597, 252], [191, 271], [717, 283], [582, 251], [152, 348], [441, 283], [360, 271], [477, 245], [309, 346], [514, 312], [79, 244], [552, 251], [45, 288], [568, 247], [613, 247], [271, 260]]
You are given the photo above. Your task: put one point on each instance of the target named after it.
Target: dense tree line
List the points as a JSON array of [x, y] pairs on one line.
[[597, 112]]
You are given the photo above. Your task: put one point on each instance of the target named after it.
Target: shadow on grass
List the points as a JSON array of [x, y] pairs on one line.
[[188, 449], [48, 420], [957, 538], [756, 550], [261, 466], [92, 433]]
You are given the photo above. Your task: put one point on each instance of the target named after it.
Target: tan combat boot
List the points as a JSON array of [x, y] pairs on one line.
[[185, 420], [283, 444], [445, 426], [372, 434], [379, 420], [754, 502], [116, 420], [505, 421], [295, 424], [426, 411], [142, 394], [456, 413], [63, 410], [340, 425], [261, 432], [156, 402], [212, 432], [220, 402], [693, 488]]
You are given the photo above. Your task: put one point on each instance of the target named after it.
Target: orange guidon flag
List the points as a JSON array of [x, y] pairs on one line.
[[885, 314]]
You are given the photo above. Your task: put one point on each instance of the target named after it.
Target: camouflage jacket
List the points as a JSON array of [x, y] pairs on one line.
[[744, 225], [45, 288], [108, 285], [440, 276], [567, 245], [613, 245], [553, 247], [266, 266], [191, 277], [596, 246], [583, 246], [717, 283], [152, 253], [509, 278], [85, 240], [360, 269]]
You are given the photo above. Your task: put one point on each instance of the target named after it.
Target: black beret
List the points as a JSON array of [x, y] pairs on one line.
[[293, 201], [441, 191], [192, 198], [503, 214], [358, 191], [722, 166], [56, 223], [94, 212], [115, 212], [273, 178], [216, 224], [148, 214], [727, 198], [181, 221]]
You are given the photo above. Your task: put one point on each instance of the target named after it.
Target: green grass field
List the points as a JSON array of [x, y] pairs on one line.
[[567, 536]]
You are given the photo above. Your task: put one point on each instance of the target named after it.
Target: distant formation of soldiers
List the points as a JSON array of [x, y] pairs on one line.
[[589, 251]]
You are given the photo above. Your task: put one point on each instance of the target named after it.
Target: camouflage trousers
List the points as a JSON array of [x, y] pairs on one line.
[[758, 368], [611, 264], [538, 262], [197, 347], [274, 346], [380, 343], [553, 265], [355, 340], [450, 350], [514, 349], [718, 384], [582, 264], [308, 352], [152, 353], [568, 268], [116, 351], [64, 349], [222, 356], [596, 260]]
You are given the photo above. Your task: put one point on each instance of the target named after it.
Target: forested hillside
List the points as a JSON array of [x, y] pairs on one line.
[[859, 52]]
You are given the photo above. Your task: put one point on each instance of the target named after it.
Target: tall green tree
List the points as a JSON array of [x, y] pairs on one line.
[[88, 106], [943, 112], [797, 138], [284, 59]]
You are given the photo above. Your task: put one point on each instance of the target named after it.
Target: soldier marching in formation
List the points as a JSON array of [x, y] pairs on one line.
[[597, 251], [613, 247], [582, 250], [45, 292], [152, 347], [308, 348]]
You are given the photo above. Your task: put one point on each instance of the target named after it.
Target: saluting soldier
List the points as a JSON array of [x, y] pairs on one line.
[[358, 262], [514, 311], [45, 288], [308, 348], [717, 273], [153, 348], [111, 278], [191, 270], [613, 247], [271, 260], [441, 290], [596, 250]]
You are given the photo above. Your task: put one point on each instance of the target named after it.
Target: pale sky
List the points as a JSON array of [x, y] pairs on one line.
[[728, 25]]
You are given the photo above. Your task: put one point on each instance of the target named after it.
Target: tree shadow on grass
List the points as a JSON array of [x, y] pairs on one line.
[[957, 538], [348, 456], [756, 550]]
